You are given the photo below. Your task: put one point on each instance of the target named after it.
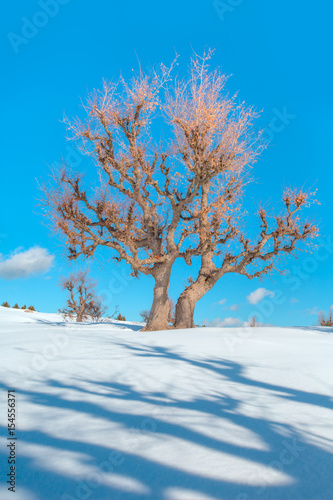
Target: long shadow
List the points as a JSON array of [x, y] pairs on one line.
[[126, 326], [308, 466], [233, 371], [135, 328], [52, 323], [154, 477], [320, 329]]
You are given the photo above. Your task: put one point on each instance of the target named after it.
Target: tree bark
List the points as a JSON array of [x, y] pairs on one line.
[[189, 297], [186, 304], [158, 317], [185, 310]]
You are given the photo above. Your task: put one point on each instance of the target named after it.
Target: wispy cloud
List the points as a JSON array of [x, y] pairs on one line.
[[293, 300], [313, 311], [221, 302], [234, 307], [258, 295], [22, 264]]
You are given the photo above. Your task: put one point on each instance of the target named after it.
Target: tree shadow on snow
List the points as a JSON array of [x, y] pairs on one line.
[[74, 324], [283, 449], [319, 329]]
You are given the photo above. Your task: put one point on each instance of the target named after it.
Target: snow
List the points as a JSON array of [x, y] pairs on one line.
[[105, 411]]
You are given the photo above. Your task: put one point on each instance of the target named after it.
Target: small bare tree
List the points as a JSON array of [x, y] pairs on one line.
[[324, 320], [82, 303], [253, 321]]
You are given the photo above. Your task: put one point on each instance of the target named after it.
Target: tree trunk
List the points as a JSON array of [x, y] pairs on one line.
[[185, 310], [158, 317], [79, 317], [189, 297]]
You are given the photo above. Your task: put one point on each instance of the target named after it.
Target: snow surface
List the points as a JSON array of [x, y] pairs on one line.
[[107, 412]]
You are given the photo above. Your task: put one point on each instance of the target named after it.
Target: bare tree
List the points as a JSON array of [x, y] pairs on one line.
[[82, 302], [139, 207], [155, 202], [253, 321], [326, 321]]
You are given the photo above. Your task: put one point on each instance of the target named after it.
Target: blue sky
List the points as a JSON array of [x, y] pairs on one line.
[[279, 56]]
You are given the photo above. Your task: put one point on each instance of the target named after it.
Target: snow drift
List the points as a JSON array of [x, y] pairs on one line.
[[107, 412]]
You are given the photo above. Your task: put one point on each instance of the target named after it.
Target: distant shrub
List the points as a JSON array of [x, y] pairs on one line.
[[5, 304], [120, 317], [31, 308], [145, 315], [323, 321], [16, 306], [253, 321], [24, 307]]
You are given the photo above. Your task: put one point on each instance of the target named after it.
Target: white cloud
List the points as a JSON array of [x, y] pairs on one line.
[[258, 295], [23, 263], [293, 300], [218, 322]]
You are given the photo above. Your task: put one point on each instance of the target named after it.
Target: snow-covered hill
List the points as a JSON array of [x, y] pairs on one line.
[[107, 412]]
